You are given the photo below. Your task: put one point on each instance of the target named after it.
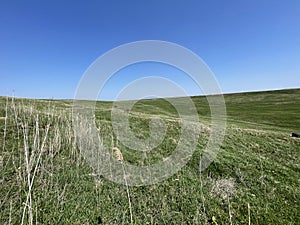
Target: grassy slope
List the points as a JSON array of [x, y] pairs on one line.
[[256, 173]]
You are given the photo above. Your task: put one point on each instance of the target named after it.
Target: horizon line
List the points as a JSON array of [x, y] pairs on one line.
[[191, 96]]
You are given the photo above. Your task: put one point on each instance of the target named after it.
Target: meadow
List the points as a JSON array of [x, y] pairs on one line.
[[254, 179]]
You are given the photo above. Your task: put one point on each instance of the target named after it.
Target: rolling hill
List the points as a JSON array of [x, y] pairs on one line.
[[254, 179]]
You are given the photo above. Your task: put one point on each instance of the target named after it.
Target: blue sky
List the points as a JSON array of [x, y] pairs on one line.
[[46, 46]]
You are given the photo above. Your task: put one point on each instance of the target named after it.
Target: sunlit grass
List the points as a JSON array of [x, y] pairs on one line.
[[254, 179]]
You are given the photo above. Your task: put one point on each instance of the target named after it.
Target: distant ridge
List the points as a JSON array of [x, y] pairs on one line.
[[285, 90]]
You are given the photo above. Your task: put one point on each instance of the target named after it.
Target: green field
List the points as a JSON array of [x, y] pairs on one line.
[[255, 178]]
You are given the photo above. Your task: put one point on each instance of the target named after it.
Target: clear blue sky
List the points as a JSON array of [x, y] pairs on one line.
[[45, 46]]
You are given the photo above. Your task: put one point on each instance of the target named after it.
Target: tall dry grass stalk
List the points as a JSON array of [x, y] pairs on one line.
[[249, 220], [118, 155], [229, 211], [33, 135], [5, 124], [32, 161], [201, 192]]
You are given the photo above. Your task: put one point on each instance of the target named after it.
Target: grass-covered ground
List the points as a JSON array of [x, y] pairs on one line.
[[254, 179]]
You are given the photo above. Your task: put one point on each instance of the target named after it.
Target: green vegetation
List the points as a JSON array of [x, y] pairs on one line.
[[254, 179]]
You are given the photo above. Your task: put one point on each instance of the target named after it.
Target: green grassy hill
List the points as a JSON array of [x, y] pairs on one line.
[[254, 179]]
